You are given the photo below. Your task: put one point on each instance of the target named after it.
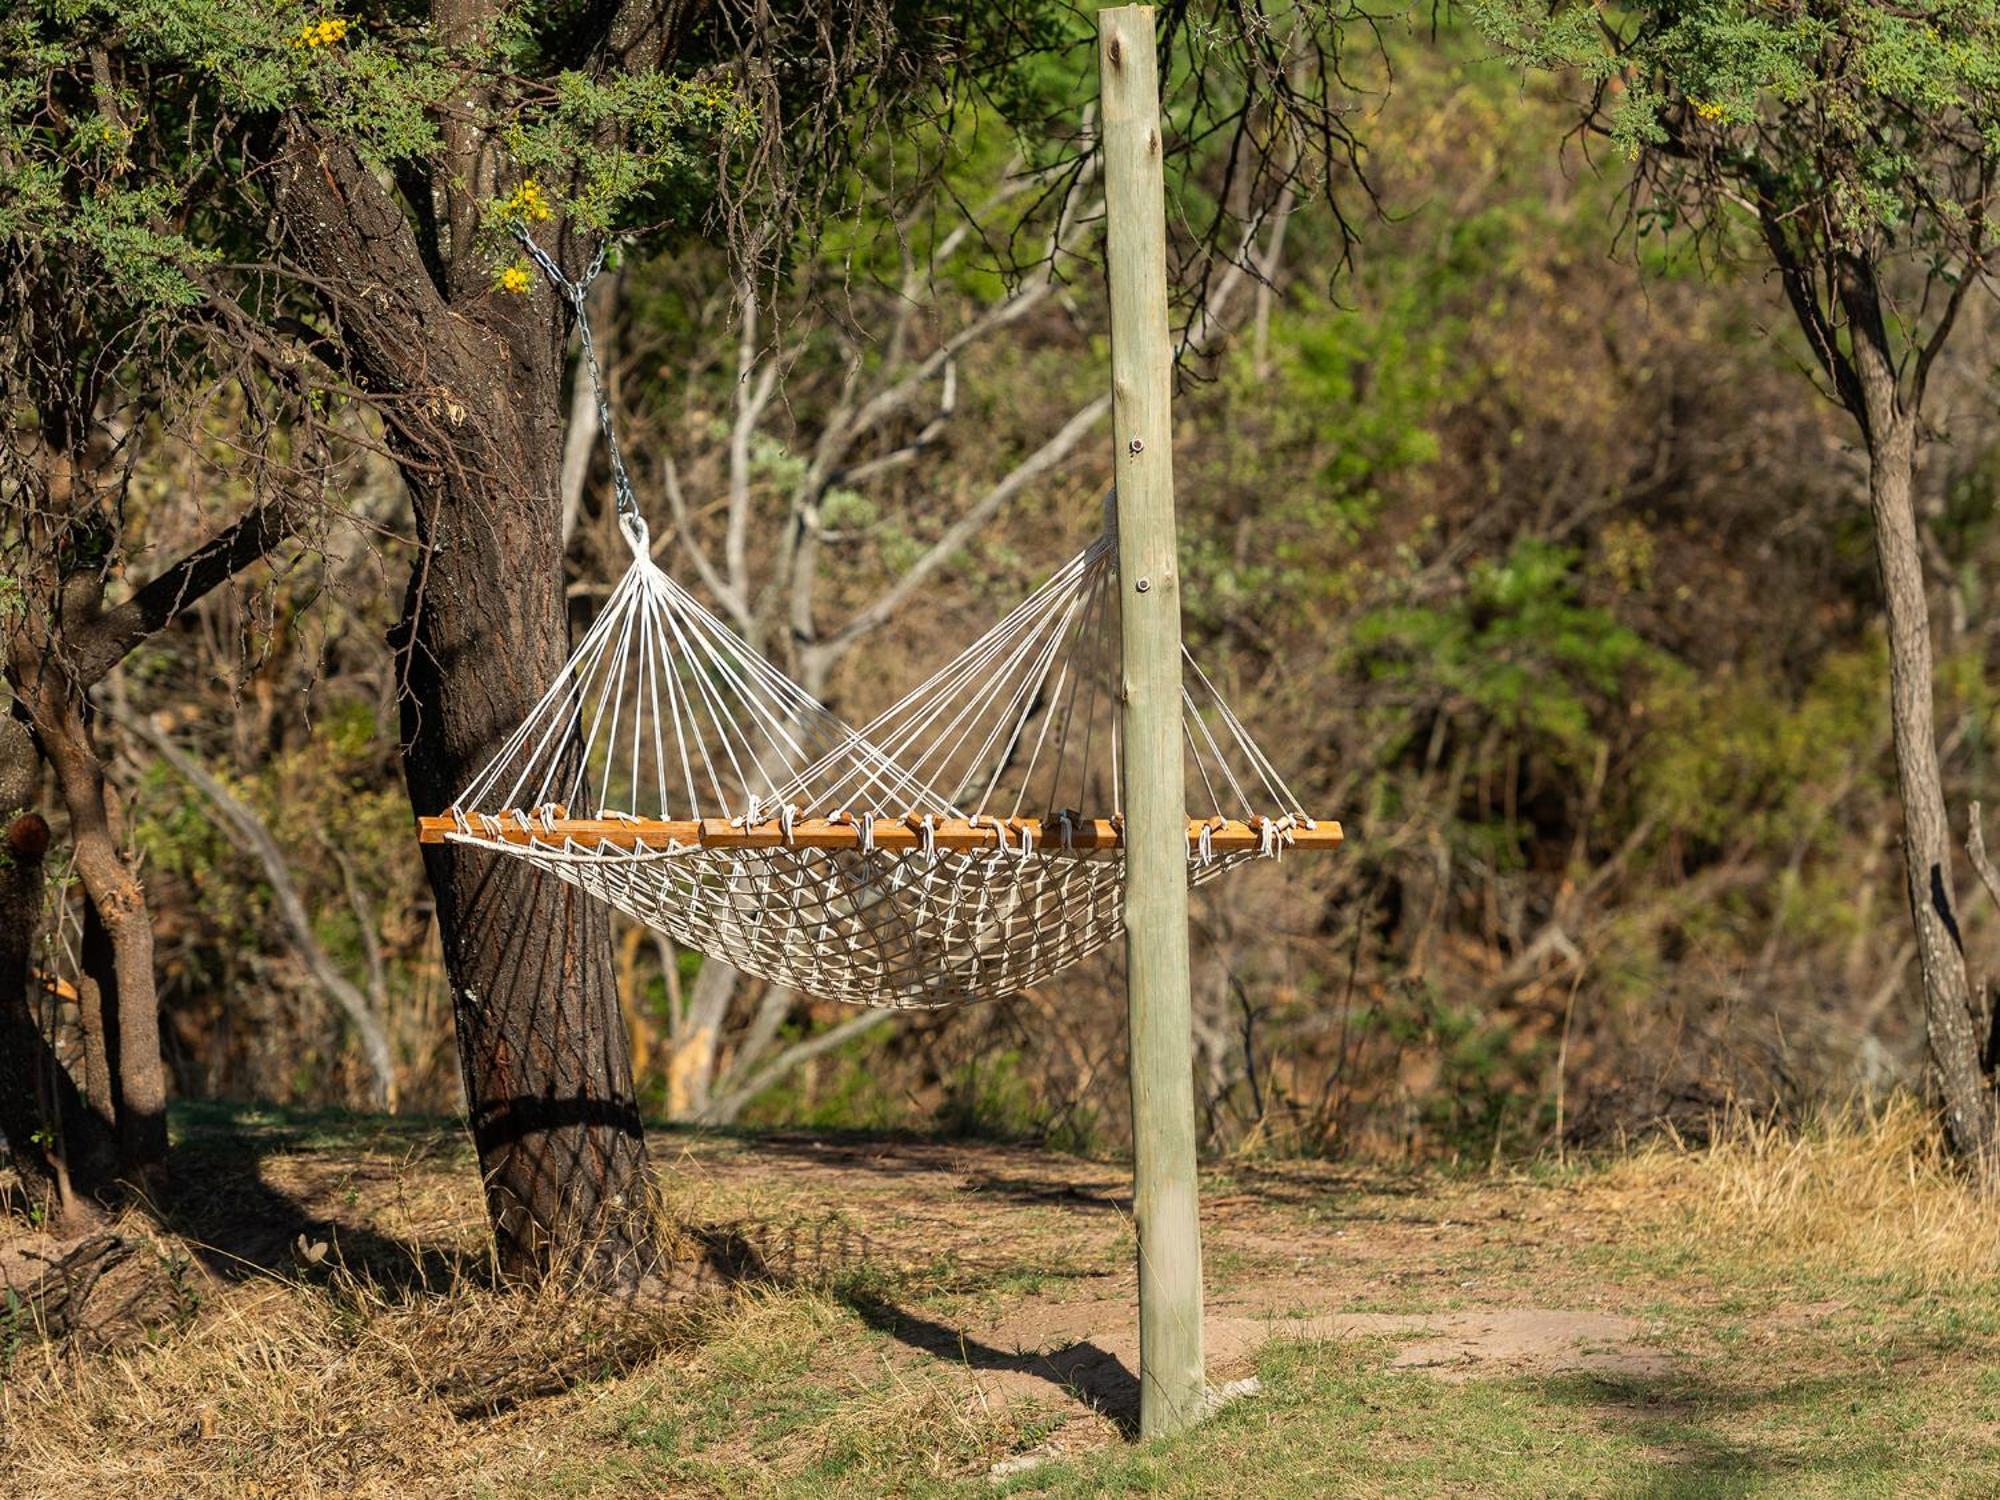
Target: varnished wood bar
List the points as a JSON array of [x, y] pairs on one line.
[[1226, 835]]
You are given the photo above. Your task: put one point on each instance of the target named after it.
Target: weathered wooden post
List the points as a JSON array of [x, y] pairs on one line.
[[1172, 1389]]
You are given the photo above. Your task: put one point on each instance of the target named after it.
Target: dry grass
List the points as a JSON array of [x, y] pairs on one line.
[[1866, 1191], [314, 1384]]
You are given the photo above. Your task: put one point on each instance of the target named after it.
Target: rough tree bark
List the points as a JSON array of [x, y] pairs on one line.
[[117, 908], [62, 1147], [23, 840], [470, 384], [53, 652]]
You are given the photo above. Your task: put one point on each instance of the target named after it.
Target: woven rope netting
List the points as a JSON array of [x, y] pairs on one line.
[[963, 845]]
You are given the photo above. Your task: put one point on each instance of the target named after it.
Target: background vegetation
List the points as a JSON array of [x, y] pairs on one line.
[[1513, 526]]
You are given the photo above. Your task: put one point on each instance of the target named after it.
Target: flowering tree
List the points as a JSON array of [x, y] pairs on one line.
[[1852, 146], [315, 209]]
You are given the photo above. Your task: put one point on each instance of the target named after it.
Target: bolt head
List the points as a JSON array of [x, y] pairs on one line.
[[1143, 584]]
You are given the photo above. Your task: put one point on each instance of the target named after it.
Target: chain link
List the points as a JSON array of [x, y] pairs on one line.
[[576, 293]]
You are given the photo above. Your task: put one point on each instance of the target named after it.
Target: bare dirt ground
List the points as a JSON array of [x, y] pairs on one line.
[[1292, 1255]]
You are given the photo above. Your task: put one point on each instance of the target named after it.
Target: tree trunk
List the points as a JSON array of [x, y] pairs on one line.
[[542, 1045], [124, 1058], [59, 1144], [97, 1016], [547, 1069], [24, 1124], [470, 382], [1927, 846]]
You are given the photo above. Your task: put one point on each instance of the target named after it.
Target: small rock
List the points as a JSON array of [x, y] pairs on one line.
[[1220, 1396]]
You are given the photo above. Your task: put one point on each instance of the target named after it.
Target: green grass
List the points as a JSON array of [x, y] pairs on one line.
[[1332, 1419]]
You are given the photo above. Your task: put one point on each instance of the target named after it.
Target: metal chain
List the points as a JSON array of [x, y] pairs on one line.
[[576, 292]]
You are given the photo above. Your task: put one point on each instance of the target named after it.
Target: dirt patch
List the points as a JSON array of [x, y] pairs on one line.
[[1000, 1278], [1510, 1341], [1289, 1252], [1088, 1352]]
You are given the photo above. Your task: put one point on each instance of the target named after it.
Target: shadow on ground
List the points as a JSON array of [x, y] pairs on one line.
[[1677, 1419], [1081, 1371], [241, 1224]]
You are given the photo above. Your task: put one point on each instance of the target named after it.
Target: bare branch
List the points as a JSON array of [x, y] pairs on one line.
[[961, 531], [732, 1104], [249, 833], [683, 528], [1940, 332], [1975, 848], [756, 379], [581, 434]]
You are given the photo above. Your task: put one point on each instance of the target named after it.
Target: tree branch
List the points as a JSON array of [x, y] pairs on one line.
[[1813, 321], [112, 635], [961, 531], [1975, 848], [731, 1104], [248, 832], [1940, 332]]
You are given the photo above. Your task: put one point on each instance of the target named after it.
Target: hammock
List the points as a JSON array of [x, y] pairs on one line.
[[935, 856]]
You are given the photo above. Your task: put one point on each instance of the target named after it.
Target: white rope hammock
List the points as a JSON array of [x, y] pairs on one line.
[[938, 855]]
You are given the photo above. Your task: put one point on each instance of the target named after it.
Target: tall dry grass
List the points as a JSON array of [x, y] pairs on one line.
[[315, 1384], [1866, 1189]]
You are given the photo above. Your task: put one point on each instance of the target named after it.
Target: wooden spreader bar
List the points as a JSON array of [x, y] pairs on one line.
[[1226, 835]]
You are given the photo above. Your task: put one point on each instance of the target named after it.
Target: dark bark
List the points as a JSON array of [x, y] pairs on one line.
[[59, 1146], [114, 632], [119, 999], [97, 1015], [117, 904], [24, 1123], [471, 389], [23, 841], [541, 1040]]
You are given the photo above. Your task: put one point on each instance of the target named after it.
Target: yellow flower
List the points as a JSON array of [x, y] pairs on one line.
[[516, 278], [527, 202], [1708, 109], [325, 33]]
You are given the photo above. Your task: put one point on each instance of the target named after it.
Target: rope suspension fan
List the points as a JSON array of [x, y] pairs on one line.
[[964, 845]]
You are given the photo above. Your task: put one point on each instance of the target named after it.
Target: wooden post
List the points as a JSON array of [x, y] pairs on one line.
[[1172, 1388]]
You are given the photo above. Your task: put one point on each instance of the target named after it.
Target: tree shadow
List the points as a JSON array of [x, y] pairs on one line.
[[1679, 1419], [986, 1165], [240, 1224], [1082, 1371]]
